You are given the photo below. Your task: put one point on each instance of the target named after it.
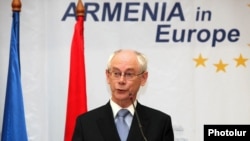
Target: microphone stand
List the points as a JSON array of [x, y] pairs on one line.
[[138, 120]]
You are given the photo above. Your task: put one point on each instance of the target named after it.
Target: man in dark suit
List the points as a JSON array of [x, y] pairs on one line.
[[126, 73]]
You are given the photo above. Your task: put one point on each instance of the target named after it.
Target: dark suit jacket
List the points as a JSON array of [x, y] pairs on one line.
[[99, 125]]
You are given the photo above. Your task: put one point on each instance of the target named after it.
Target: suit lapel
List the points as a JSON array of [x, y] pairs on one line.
[[107, 126], [134, 133]]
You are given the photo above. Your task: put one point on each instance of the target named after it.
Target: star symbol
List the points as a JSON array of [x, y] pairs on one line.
[[240, 61], [200, 61], [220, 66]]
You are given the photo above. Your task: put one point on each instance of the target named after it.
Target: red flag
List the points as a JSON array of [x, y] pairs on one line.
[[77, 99]]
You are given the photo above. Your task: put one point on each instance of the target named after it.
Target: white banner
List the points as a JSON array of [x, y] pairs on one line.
[[198, 54]]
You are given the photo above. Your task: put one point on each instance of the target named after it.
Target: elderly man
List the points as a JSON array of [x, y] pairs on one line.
[[123, 118]]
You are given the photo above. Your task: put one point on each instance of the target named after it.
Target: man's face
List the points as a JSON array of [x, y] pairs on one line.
[[125, 78]]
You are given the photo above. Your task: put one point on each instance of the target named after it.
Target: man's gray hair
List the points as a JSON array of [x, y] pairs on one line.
[[140, 57]]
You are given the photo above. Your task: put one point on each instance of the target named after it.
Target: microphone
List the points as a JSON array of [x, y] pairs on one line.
[[137, 118]]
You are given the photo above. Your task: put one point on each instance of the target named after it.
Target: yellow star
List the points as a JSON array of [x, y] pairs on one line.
[[220, 66], [240, 61], [200, 61]]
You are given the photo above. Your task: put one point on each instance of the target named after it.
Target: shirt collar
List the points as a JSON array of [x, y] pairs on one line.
[[115, 108]]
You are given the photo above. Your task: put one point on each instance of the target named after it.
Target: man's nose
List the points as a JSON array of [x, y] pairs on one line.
[[122, 79]]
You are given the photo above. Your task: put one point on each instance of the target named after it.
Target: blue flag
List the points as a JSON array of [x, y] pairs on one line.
[[14, 127]]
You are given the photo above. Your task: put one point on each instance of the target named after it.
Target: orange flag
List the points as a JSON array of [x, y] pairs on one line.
[[77, 99]]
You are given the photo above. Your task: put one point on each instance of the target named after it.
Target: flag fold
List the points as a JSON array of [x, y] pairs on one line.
[[77, 103], [14, 126]]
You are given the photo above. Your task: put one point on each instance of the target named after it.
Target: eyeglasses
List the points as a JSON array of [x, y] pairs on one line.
[[127, 75]]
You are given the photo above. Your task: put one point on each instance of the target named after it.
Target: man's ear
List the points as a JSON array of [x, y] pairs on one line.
[[107, 76], [144, 78]]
